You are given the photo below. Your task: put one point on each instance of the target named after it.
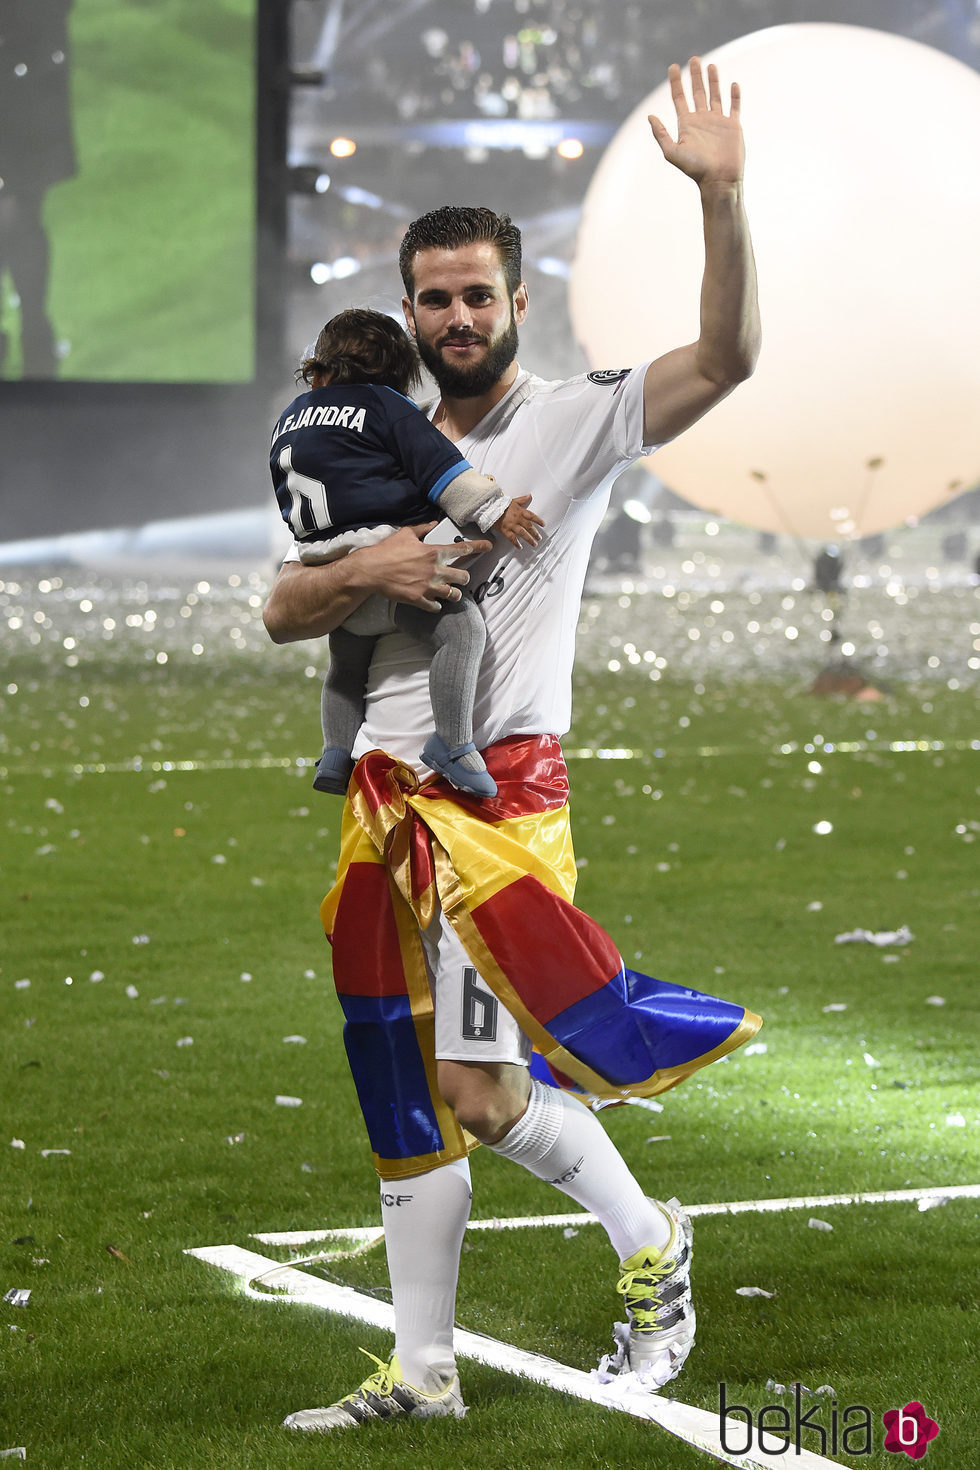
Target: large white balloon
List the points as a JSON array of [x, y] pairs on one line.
[[863, 193]]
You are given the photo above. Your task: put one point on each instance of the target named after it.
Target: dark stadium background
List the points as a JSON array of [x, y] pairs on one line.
[[446, 100]]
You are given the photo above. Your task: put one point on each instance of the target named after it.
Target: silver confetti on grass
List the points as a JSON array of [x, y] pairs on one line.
[[880, 937], [824, 1389], [730, 611]]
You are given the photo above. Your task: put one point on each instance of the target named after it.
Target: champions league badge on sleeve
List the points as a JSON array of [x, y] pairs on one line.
[[609, 375]]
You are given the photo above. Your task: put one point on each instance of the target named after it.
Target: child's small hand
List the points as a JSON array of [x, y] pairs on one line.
[[518, 522]]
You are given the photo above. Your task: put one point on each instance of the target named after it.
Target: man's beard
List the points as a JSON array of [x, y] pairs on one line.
[[471, 382]]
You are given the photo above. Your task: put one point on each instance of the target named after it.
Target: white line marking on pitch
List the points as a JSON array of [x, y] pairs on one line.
[[694, 1425], [363, 1233], [697, 1426]]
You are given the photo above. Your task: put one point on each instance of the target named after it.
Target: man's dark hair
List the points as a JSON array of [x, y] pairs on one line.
[[454, 225], [364, 346]]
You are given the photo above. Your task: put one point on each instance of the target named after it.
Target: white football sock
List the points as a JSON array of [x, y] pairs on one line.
[[560, 1141], [424, 1222]]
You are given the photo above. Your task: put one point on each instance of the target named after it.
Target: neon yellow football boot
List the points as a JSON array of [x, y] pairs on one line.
[[656, 1288], [384, 1395]]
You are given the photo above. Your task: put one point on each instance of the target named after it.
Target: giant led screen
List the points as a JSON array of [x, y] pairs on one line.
[[127, 190]]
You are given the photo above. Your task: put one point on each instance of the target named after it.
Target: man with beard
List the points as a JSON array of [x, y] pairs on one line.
[[508, 962]]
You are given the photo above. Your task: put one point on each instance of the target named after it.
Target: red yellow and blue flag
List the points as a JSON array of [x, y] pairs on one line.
[[503, 871]]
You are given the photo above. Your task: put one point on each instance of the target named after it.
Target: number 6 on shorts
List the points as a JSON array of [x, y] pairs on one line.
[[479, 1009]]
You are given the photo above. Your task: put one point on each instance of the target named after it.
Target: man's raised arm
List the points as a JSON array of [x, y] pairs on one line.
[[310, 601], [682, 385]]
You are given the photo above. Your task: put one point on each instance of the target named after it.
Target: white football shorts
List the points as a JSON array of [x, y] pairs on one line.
[[471, 1023]]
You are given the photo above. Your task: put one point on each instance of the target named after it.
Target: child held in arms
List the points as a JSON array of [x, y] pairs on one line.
[[352, 460]]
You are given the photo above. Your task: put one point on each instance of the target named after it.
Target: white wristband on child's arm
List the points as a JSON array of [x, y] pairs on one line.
[[489, 515]]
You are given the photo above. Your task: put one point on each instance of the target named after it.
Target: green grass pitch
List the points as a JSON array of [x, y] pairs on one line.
[[163, 857]]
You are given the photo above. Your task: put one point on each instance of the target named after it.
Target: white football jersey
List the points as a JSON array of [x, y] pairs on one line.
[[564, 443]]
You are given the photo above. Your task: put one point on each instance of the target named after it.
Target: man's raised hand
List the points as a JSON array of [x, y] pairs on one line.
[[709, 147]]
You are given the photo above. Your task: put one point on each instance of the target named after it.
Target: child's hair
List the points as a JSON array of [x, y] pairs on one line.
[[364, 346]]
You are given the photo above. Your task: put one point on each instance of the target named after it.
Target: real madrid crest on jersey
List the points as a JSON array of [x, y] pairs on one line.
[[610, 375]]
